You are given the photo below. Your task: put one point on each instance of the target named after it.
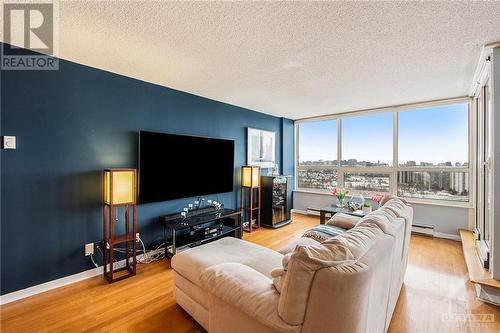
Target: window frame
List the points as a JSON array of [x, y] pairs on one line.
[[395, 167]]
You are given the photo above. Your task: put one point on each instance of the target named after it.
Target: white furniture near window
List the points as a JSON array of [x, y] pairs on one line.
[[348, 283]]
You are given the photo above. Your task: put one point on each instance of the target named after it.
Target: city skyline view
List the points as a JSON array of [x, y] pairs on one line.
[[356, 163], [426, 137], [440, 185]]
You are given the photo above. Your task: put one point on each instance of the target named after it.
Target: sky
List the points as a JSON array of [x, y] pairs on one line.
[[434, 135]]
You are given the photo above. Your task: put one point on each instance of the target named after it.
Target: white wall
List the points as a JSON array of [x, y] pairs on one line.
[[446, 220]]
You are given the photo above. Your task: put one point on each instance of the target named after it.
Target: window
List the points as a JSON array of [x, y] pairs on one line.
[[367, 183], [317, 177], [317, 155], [367, 140], [440, 185], [432, 155], [434, 137]]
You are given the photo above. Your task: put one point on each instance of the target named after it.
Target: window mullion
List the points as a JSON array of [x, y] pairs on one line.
[[340, 172], [395, 164]]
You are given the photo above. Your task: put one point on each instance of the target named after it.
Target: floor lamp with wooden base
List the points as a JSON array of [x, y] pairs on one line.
[[250, 184]]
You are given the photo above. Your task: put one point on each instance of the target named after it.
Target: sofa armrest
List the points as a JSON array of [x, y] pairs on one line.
[[246, 289]]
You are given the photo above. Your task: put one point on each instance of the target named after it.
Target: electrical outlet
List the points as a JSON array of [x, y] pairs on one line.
[[136, 236], [9, 142], [89, 249]]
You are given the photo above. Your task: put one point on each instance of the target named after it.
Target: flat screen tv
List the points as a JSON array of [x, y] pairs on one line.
[[178, 166]]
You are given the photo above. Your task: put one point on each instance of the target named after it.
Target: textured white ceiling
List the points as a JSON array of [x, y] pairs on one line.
[[292, 59]]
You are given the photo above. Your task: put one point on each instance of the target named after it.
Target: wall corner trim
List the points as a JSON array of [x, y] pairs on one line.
[[40, 288]]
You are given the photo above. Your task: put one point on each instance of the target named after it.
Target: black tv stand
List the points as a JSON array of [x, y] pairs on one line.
[[183, 233]]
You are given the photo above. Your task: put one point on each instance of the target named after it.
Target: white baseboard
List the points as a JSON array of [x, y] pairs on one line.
[[299, 211], [61, 282], [487, 294], [40, 288], [447, 236]]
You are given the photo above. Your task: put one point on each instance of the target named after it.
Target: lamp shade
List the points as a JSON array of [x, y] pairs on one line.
[[250, 176], [119, 186]]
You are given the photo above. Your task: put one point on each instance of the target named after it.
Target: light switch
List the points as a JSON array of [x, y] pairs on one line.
[[9, 142]]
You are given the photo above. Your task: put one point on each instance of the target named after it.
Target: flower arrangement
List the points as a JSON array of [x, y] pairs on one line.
[[377, 197], [340, 193]]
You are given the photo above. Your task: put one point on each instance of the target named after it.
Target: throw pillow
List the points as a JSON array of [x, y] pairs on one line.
[[278, 274], [385, 199], [345, 221]]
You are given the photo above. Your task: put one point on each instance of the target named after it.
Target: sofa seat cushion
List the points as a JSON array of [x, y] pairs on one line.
[[247, 290], [303, 241], [191, 263], [195, 292]]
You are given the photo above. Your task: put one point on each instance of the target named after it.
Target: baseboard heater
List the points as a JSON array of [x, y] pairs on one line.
[[423, 229], [312, 211]]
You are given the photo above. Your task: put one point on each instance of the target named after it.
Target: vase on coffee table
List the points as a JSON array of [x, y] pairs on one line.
[[340, 194], [341, 202]]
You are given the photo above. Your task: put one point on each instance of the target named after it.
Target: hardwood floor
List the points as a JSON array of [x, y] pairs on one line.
[[436, 296]]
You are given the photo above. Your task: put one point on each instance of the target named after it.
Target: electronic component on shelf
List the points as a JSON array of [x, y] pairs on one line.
[[186, 213], [193, 231]]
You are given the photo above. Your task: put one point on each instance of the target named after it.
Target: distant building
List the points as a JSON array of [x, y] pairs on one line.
[[418, 179], [459, 182]]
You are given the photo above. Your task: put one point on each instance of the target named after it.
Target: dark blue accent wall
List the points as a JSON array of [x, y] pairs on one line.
[[70, 125]]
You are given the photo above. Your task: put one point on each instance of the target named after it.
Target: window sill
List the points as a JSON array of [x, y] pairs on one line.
[[410, 200]]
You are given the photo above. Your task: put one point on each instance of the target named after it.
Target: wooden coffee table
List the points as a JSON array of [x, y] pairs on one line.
[[333, 209]]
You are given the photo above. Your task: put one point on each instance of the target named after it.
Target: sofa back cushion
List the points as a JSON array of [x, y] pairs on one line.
[[303, 264], [353, 297], [383, 219], [340, 253], [348, 275]]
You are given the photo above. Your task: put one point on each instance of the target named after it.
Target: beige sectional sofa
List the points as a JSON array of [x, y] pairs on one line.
[[348, 283]]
